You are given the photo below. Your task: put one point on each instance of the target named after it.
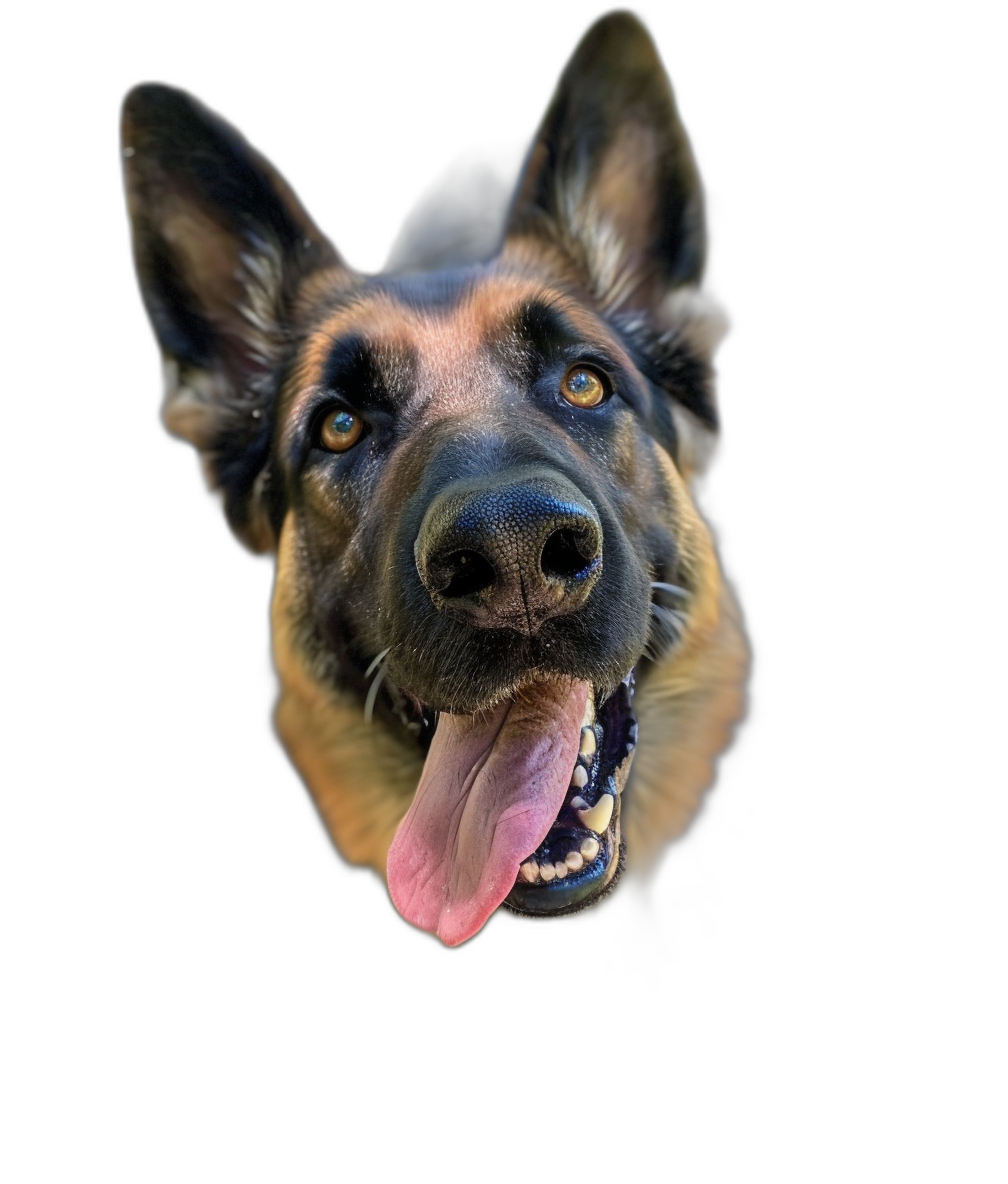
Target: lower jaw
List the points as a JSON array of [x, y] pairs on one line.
[[577, 890]]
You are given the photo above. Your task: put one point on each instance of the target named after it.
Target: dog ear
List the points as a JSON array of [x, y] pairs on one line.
[[221, 244], [610, 186]]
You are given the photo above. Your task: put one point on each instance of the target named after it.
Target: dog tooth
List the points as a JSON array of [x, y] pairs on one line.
[[587, 742], [578, 803], [599, 816], [574, 861], [589, 713], [547, 871], [579, 778], [530, 871], [589, 849], [561, 869]]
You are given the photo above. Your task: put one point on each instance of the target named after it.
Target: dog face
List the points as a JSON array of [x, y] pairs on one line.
[[476, 479]]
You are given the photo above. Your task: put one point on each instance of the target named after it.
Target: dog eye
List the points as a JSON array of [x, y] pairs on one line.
[[340, 429], [582, 387]]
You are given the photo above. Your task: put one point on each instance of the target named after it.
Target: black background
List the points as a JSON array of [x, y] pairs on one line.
[[213, 873]]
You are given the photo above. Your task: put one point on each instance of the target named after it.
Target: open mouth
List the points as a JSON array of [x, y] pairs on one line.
[[519, 806], [582, 854]]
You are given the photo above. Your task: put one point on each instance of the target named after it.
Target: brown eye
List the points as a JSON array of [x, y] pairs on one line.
[[582, 387], [340, 430]]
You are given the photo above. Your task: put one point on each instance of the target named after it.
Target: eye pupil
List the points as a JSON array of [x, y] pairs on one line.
[[340, 430], [582, 387]]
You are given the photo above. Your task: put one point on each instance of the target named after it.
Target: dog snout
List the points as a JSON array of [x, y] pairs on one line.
[[510, 554]]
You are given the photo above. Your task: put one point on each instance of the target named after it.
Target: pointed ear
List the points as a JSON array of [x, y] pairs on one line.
[[221, 245], [611, 178]]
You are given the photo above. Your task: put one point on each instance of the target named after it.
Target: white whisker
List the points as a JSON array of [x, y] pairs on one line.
[[372, 694], [674, 589], [378, 660]]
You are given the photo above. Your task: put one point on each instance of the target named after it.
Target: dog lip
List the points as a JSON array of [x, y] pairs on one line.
[[577, 891]]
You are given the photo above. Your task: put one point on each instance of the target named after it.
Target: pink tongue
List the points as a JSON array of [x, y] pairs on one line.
[[491, 788]]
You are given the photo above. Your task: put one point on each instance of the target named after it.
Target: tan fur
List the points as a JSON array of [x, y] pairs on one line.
[[361, 778], [687, 710]]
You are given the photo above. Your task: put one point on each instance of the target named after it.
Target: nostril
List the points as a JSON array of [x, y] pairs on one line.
[[569, 554], [463, 573], [509, 553]]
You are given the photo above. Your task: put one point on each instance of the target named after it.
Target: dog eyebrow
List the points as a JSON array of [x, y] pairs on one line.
[[544, 327], [370, 373], [538, 333]]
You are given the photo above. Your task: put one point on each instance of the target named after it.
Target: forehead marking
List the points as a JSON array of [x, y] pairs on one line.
[[456, 372]]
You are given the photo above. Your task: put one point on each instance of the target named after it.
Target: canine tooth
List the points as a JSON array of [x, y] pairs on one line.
[[587, 742], [599, 816], [574, 861], [589, 849], [547, 871], [578, 803], [530, 871], [561, 869], [589, 713], [579, 778]]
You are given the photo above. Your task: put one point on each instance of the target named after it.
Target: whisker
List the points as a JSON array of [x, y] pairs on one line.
[[667, 628], [378, 660], [372, 694], [674, 589]]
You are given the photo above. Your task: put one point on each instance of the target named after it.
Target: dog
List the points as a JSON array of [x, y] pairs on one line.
[[507, 655]]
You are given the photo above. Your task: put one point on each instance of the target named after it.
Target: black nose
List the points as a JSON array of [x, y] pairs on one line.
[[510, 553]]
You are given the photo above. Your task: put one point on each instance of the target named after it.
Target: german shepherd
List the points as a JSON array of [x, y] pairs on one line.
[[493, 590]]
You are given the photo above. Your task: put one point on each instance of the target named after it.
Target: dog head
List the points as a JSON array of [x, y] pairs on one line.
[[476, 477]]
